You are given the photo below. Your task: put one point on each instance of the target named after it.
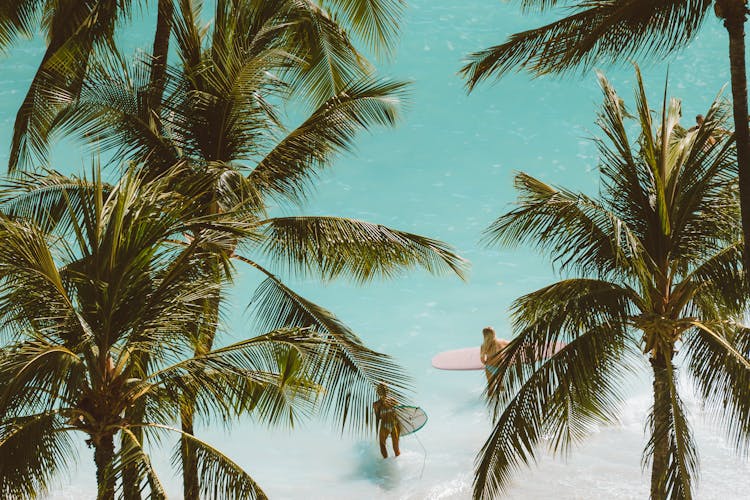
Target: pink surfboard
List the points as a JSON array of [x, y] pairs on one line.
[[459, 359], [468, 358]]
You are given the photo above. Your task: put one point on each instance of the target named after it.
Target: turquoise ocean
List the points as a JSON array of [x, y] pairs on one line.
[[445, 172]]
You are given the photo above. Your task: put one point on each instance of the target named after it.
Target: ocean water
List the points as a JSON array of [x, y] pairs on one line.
[[445, 172]]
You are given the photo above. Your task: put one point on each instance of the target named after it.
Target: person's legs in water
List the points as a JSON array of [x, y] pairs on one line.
[[394, 440], [382, 436]]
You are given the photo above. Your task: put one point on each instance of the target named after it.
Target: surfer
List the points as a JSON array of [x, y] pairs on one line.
[[489, 353], [386, 420]]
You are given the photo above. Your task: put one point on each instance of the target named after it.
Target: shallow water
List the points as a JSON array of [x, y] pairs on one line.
[[447, 172]]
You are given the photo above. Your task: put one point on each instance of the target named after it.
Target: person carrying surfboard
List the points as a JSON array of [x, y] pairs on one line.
[[386, 420], [490, 353]]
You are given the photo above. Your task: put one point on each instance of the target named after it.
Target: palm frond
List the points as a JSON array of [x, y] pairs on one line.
[[597, 32], [375, 21], [346, 369], [76, 30], [38, 376], [716, 361], [577, 387], [577, 231], [625, 179], [219, 476], [288, 169], [33, 123], [36, 449], [111, 113], [558, 312], [133, 454], [188, 32], [331, 247], [17, 19], [218, 107], [46, 199], [330, 59], [538, 5], [237, 194], [32, 287], [708, 202], [221, 115], [267, 375], [292, 398], [718, 285]]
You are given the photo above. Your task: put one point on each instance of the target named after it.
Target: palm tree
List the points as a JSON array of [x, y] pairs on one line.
[[75, 31], [78, 31], [91, 287], [219, 117], [616, 30], [656, 268]]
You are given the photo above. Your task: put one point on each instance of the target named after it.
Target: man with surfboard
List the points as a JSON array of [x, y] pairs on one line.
[[489, 354]]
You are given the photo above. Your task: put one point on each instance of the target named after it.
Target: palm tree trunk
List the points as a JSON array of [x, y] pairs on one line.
[[130, 480], [190, 486], [190, 483], [160, 52], [104, 454], [204, 339], [659, 426], [734, 13]]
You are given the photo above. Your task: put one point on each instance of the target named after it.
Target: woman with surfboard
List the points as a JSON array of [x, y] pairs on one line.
[[487, 356], [386, 420], [489, 353], [395, 420]]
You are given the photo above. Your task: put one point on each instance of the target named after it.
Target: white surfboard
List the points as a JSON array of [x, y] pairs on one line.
[[410, 419]]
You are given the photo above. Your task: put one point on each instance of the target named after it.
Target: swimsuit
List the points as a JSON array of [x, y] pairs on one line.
[[388, 419]]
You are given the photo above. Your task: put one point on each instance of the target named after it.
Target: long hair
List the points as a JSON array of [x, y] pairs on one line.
[[489, 337]]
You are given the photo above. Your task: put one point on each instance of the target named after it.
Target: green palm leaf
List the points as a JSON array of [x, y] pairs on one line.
[[76, 30], [267, 375], [601, 31], [132, 454], [220, 477], [330, 59], [111, 113], [577, 387], [17, 19], [347, 369], [39, 375], [291, 165], [576, 229], [331, 247], [48, 199], [375, 21], [721, 375], [659, 254], [35, 451]]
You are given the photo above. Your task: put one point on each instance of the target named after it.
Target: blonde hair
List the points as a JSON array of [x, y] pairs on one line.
[[381, 390], [489, 336]]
